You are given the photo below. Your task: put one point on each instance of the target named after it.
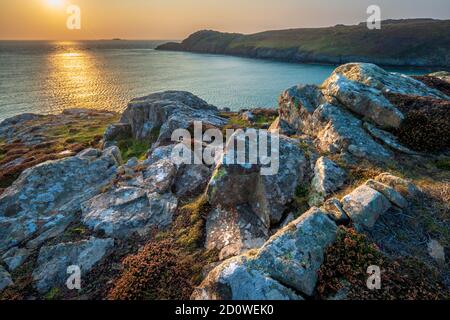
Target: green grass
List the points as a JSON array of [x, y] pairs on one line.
[[132, 148], [443, 164]]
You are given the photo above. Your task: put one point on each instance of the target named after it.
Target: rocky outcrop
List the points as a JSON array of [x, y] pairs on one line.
[[156, 116], [46, 197], [363, 100], [375, 77], [15, 257], [352, 112], [290, 259], [53, 261], [285, 267], [231, 182]]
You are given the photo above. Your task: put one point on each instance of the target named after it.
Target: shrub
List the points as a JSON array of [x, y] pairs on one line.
[[427, 122], [346, 264]]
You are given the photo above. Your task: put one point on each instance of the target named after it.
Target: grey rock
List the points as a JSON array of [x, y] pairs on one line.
[[365, 205], [377, 78], [53, 261], [235, 231], [404, 187], [328, 178], [248, 116], [15, 257], [48, 195], [363, 100], [234, 281], [156, 116], [388, 139], [282, 127], [297, 104], [289, 259], [116, 132], [390, 193], [231, 182], [338, 131], [334, 208], [123, 211], [191, 180]]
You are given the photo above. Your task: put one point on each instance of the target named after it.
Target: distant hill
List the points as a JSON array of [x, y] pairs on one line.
[[411, 42]]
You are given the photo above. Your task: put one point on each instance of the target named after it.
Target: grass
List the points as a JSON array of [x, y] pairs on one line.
[[59, 133], [132, 148], [393, 41]]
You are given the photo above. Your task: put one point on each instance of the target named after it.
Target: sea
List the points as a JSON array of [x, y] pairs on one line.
[[50, 76]]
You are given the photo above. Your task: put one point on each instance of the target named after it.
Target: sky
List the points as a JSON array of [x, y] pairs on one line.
[[176, 19]]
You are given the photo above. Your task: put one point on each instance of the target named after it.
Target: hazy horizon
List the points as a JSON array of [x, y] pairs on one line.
[[176, 19]]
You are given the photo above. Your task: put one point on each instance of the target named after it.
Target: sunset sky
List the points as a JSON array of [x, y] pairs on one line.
[[175, 19]]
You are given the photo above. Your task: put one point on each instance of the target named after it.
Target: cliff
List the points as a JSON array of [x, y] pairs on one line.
[[412, 42]]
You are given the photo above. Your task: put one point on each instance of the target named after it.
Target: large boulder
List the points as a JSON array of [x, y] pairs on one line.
[[120, 212], [289, 259], [268, 195], [375, 77], [363, 100], [53, 261], [157, 115], [328, 178], [45, 198]]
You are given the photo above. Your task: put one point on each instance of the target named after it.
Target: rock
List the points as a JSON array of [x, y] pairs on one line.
[[9, 127], [233, 232], [132, 162], [388, 139], [437, 252], [379, 79], [338, 131], [363, 100], [5, 279], [390, 193], [156, 116], [404, 187], [282, 127], [328, 178], [234, 281], [269, 194], [15, 257], [365, 205], [289, 259], [125, 210], [297, 104], [248, 116], [334, 207], [53, 261], [48, 195], [191, 180], [160, 176]]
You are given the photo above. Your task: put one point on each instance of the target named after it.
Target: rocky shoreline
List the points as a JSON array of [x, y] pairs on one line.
[[358, 185]]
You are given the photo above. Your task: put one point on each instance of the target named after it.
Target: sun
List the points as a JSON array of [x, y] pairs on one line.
[[55, 3]]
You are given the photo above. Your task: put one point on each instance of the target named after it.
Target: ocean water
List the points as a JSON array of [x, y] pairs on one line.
[[48, 77]]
